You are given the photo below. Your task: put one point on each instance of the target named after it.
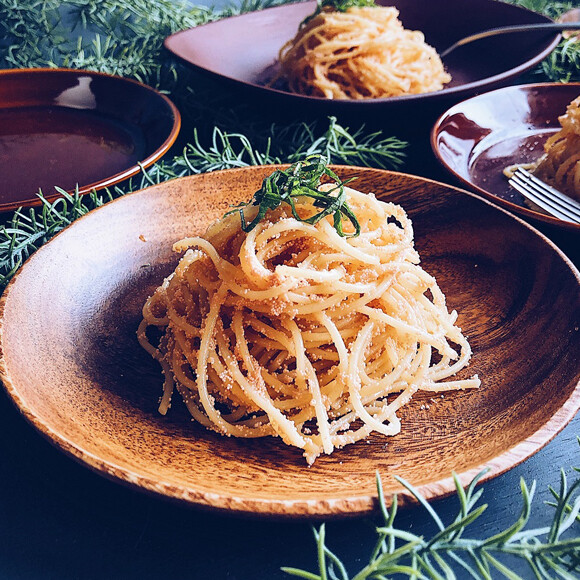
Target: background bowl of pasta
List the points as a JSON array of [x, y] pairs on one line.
[[243, 51], [71, 362], [477, 139]]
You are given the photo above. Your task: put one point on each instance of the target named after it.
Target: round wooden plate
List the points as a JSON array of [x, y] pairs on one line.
[[71, 362]]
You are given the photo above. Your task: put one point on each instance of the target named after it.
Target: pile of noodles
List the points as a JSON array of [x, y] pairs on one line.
[[295, 331], [362, 53], [560, 164]]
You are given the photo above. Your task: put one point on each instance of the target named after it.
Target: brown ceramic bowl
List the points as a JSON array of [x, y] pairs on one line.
[[476, 139], [64, 128], [71, 363], [243, 52]]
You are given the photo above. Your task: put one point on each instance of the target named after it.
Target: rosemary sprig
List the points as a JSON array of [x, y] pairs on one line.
[[110, 36], [551, 8], [563, 64], [292, 143], [449, 555], [357, 148], [302, 179]]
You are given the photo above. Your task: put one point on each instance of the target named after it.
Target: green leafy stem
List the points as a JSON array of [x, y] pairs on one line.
[[544, 551], [302, 179]]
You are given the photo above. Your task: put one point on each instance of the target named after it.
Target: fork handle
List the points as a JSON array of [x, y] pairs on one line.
[[546, 26]]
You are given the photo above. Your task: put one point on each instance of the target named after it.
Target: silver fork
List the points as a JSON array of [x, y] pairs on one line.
[[545, 196]]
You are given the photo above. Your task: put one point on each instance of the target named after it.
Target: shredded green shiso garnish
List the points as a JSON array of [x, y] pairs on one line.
[[302, 179], [343, 5], [336, 5]]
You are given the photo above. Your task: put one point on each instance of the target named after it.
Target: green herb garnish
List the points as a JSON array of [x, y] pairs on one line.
[[337, 5], [449, 554], [302, 179], [343, 5]]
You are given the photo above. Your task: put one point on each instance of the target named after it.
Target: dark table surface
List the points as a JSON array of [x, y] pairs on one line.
[[59, 520]]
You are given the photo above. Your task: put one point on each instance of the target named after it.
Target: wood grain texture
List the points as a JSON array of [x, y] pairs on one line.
[[71, 363]]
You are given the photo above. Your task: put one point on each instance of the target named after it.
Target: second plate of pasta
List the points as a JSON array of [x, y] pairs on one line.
[[379, 56], [480, 138]]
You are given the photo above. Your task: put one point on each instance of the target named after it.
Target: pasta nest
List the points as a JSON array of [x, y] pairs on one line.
[[362, 53], [292, 330]]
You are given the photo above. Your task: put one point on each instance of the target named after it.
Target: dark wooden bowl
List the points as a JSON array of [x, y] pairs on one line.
[[66, 128], [71, 363]]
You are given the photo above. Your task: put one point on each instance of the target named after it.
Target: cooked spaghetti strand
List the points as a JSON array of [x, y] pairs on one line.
[[362, 53]]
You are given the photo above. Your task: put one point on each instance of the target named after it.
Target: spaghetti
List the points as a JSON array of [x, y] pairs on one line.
[[361, 53], [560, 164], [296, 331]]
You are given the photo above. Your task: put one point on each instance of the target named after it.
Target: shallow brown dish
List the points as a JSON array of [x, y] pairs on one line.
[[61, 127], [243, 51], [71, 363], [477, 138]]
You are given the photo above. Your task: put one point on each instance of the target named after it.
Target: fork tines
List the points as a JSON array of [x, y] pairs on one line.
[[545, 196]]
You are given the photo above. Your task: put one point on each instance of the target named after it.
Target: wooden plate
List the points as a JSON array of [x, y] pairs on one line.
[[243, 51], [71, 362], [63, 128], [477, 139]]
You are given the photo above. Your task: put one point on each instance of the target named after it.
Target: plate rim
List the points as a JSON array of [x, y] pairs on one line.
[[505, 203], [120, 176], [340, 507], [467, 88]]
